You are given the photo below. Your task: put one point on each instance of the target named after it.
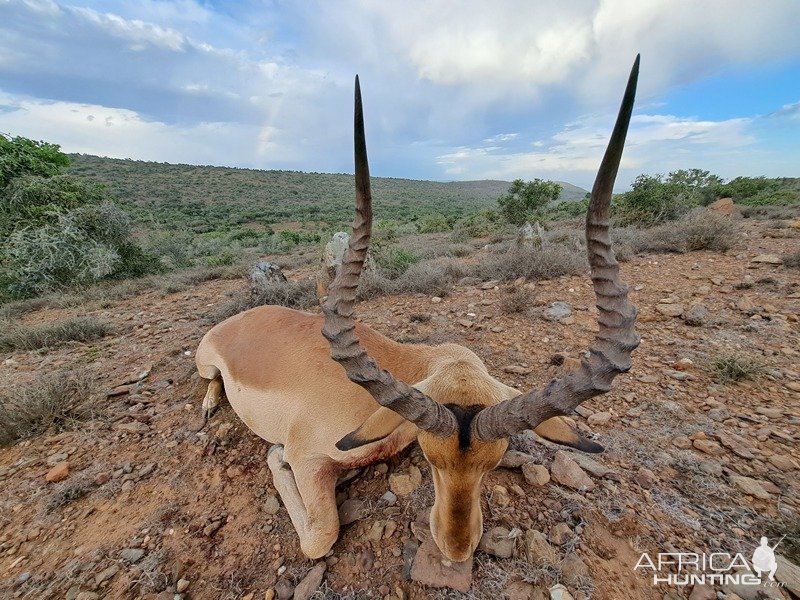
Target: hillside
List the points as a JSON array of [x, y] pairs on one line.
[[215, 198], [132, 495]]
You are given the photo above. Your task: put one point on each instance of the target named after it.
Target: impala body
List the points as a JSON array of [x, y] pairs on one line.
[[332, 395]]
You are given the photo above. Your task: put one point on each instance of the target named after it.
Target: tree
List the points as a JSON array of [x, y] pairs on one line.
[[57, 230], [526, 201], [20, 156]]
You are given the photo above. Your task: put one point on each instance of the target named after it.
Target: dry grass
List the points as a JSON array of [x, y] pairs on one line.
[[58, 400], [292, 294], [730, 368], [66, 493], [74, 329], [552, 260], [698, 230], [516, 301]]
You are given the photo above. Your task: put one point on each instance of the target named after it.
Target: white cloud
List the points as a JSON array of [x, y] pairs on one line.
[[574, 153]]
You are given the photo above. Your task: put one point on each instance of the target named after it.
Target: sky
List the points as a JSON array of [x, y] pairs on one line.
[[453, 90]]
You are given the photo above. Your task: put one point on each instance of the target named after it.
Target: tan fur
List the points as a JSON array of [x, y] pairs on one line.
[[280, 380]]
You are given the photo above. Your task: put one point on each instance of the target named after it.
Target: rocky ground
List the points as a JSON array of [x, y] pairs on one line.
[[145, 500]]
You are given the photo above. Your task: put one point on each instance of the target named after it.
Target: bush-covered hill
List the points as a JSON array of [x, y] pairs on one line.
[[216, 198]]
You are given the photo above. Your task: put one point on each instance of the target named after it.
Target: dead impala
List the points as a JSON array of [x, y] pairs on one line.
[[326, 416]]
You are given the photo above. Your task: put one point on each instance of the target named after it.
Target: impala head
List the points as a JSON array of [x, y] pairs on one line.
[[464, 420]]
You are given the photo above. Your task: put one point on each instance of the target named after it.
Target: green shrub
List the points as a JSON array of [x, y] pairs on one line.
[[393, 261], [476, 225], [733, 367], [434, 223]]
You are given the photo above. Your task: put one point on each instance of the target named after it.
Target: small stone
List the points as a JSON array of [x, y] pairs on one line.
[[792, 385], [683, 364], [709, 447], [751, 487], [670, 310], [559, 534], [500, 496], [496, 541], [311, 582], [431, 568], [271, 505], [284, 589], [514, 459], [558, 311], [534, 474], [645, 478], [403, 484], [736, 444], [389, 498], [132, 427], [696, 315], [782, 463], [131, 555], [719, 413], [682, 442], [58, 473], [538, 550], [351, 511], [566, 471], [376, 532], [106, 574], [517, 369], [770, 413], [212, 528], [709, 467], [559, 592], [599, 418], [54, 459], [769, 259], [182, 585]]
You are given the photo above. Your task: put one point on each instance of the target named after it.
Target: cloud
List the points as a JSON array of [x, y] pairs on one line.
[[574, 153]]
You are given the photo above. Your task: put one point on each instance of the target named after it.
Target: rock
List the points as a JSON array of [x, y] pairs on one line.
[[573, 569], [284, 589], [265, 272], [591, 465], [599, 419], [719, 414], [769, 259], [736, 444], [106, 574], [490, 285], [131, 555], [770, 413], [703, 592], [496, 541], [212, 527], [534, 474], [182, 585], [750, 486], [709, 447], [683, 364], [351, 511], [500, 496], [311, 582], [645, 478], [58, 473], [670, 310], [559, 534], [723, 206], [271, 505], [389, 498], [559, 592], [682, 442], [403, 484], [431, 568], [557, 311], [538, 550], [782, 463], [792, 385], [566, 471], [696, 315], [788, 574], [514, 459], [517, 369], [375, 532], [745, 305], [132, 427], [87, 596]]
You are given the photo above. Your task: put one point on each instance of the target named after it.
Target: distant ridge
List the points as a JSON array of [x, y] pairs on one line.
[[220, 197]]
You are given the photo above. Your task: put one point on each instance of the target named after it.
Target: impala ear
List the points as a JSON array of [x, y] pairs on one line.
[[562, 430], [378, 425]]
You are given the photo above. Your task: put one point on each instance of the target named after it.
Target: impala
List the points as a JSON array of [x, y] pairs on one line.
[[333, 395]]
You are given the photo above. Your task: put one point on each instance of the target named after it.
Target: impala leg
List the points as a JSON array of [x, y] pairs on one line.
[[308, 491], [212, 397]]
